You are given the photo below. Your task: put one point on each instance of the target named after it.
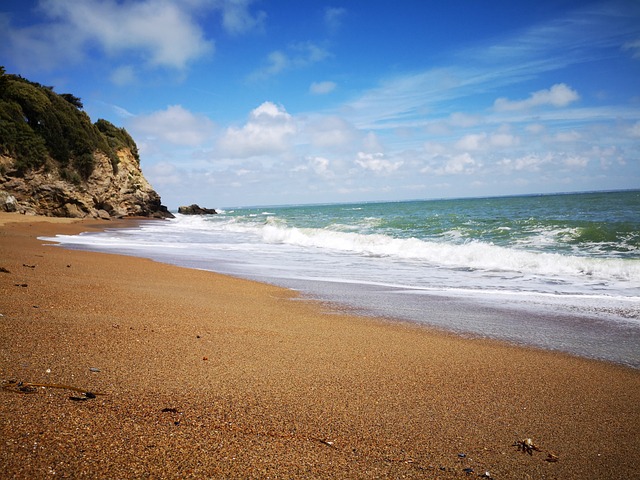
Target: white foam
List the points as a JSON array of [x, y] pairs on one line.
[[472, 254], [270, 245]]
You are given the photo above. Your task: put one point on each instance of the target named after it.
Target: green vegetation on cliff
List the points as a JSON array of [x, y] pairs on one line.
[[40, 128]]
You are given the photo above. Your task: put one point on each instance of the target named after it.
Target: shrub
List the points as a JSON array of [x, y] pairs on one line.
[[36, 123], [70, 176], [117, 137], [18, 140]]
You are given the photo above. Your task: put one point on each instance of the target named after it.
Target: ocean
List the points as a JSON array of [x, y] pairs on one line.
[[558, 272]]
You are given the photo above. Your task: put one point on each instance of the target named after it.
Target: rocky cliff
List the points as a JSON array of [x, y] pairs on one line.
[[55, 162], [104, 194]]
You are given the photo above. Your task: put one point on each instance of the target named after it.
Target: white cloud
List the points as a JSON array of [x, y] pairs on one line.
[[308, 53], [376, 162], [122, 112], [634, 130], [333, 17], [163, 174], [237, 19], [322, 88], [320, 166], [298, 55], [161, 32], [503, 140], [571, 136], [372, 143], [634, 46], [268, 130], [464, 120], [174, 125], [157, 33], [463, 163], [276, 62], [433, 149], [446, 164], [438, 129], [124, 75], [530, 162], [576, 161], [331, 132], [535, 128], [474, 141], [607, 156], [545, 162], [559, 95]]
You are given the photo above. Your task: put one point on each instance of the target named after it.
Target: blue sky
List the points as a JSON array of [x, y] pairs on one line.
[[268, 102]]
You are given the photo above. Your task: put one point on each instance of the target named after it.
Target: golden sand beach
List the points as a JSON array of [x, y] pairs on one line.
[[199, 375]]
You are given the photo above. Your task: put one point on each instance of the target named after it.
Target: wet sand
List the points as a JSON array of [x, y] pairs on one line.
[[208, 376]]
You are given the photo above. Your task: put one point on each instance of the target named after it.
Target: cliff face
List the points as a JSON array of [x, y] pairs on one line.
[[55, 162], [105, 194]]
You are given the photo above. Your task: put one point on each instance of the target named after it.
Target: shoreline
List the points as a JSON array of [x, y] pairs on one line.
[[522, 319], [217, 376]]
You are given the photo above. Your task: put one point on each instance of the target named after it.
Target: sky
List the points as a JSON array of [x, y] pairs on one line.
[[277, 102]]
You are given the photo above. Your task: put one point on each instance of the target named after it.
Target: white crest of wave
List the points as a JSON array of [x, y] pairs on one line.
[[473, 255]]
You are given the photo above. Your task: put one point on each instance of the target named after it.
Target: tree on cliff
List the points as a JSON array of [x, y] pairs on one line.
[[39, 128], [54, 161]]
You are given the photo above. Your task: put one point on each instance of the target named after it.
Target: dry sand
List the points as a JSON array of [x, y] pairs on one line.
[[207, 376]]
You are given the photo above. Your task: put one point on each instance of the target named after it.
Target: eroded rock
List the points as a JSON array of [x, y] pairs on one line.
[[196, 210]]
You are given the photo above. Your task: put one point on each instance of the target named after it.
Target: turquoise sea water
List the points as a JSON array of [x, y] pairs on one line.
[[555, 271]]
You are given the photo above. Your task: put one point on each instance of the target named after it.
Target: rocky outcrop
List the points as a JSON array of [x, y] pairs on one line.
[[108, 192], [55, 162], [8, 203], [196, 210]]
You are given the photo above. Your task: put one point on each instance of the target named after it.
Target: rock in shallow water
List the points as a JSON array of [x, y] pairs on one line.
[[196, 210]]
